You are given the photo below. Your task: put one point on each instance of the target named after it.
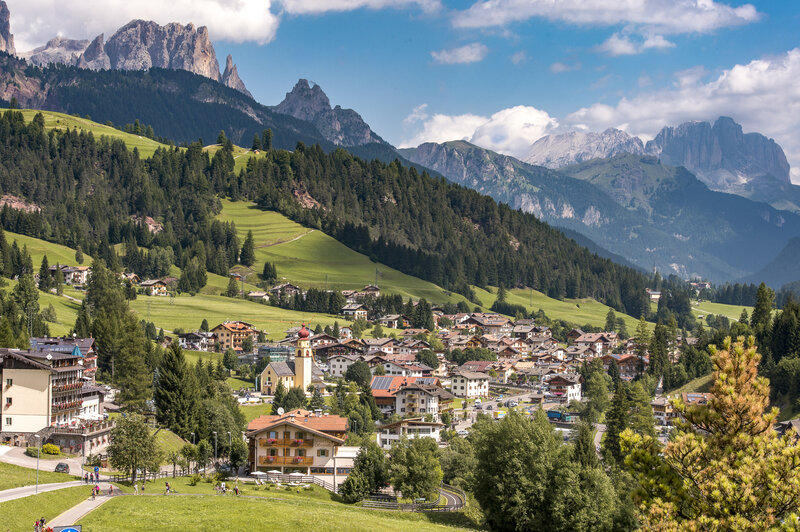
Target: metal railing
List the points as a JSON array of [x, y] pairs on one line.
[[388, 502]]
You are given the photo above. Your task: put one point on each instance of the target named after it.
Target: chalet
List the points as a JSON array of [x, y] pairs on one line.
[[132, 277], [573, 335], [421, 399], [663, 410], [338, 364], [405, 369], [299, 441], [469, 384], [371, 290], [67, 344], [258, 296], [230, 334], [386, 345], [408, 429], [653, 295], [197, 341], [565, 387], [321, 339], [285, 290], [393, 321], [354, 311], [491, 323], [410, 333], [154, 287], [386, 388], [326, 352], [628, 364], [524, 332], [76, 275]]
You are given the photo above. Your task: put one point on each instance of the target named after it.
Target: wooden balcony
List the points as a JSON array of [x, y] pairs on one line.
[[286, 460], [286, 442]]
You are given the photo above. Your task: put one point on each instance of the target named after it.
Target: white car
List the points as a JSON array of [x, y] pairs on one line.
[[463, 433]]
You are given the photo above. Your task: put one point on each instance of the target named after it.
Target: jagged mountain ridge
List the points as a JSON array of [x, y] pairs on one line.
[[635, 207], [230, 78], [6, 38], [343, 127]]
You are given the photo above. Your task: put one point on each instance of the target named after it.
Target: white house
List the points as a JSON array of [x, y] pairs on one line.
[[469, 384], [408, 428]]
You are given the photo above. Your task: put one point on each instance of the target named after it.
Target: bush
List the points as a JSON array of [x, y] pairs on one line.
[[93, 460], [49, 448], [32, 451], [194, 480]]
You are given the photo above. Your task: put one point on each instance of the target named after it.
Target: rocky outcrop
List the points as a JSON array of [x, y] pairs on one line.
[[6, 38], [95, 57], [722, 156], [557, 151], [230, 78], [57, 51], [343, 127], [141, 45]]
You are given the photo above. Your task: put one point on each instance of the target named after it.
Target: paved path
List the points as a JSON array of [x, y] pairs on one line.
[[74, 514], [25, 491], [279, 242], [598, 436], [17, 456]]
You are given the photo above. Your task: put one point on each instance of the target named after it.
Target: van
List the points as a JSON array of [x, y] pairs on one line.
[[477, 402]]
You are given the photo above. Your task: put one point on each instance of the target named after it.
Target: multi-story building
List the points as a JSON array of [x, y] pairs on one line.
[[300, 441], [231, 334], [85, 347], [418, 399], [297, 373], [566, 387], [410, 429], [46, 390], [469, 384]]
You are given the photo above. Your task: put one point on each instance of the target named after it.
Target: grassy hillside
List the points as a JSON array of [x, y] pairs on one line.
[[62, 121], [39, 248], [305, 256], [20, 514], [577, 311], [731, 311]]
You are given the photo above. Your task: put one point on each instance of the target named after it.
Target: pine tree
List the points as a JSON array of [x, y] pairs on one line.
[[583, 451], [725, 467], [279, 397], [204, 325], [45, 278], [336, 332], [611, 320], [616, 423], [248, 253], [175, 394], [266, 139], [256, 143], [78, 255], [233, 288]]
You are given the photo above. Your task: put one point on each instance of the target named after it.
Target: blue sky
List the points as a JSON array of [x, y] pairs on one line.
[[498, 72]]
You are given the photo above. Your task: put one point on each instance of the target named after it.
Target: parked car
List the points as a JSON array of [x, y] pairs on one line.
[[61, 467], [488, 407], [463, 433]]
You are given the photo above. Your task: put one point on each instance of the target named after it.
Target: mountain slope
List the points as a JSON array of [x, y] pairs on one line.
[[783, 269], [573, 204], [178, 104]]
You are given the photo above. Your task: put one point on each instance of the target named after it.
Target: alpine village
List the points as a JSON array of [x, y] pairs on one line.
[[217, 314]]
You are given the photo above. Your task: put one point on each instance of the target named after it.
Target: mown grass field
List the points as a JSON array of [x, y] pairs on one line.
[[20, 514], [56, 253], [253, 411], [168, 442], [133, 513], [315, 257], [66, 309], [12, 476], [698, 385], [577, 311], [62, 121], [731, 311]]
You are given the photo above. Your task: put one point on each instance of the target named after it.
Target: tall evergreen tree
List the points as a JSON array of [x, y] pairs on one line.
[[248, 253], [175, 393], [45, 277]]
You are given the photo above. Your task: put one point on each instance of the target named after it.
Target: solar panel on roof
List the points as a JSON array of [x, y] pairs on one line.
[[381, 383]]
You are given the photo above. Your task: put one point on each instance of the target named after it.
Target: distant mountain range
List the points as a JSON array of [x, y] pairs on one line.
[[721, 155]]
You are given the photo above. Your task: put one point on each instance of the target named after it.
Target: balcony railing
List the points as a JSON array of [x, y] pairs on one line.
[[286, 442], [71, 405], [67, 387], [286, 460], [85, 429]]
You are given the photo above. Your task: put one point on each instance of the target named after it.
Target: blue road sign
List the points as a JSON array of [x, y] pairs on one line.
[[72, 528]]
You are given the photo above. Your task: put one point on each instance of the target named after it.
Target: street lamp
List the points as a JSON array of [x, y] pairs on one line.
[[192, 438], [38, 452], [215, 448]]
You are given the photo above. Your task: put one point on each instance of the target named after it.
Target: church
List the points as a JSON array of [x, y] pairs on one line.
[[297, 373]]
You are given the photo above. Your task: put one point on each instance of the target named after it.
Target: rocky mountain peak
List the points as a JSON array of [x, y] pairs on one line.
[[556, 151], [721, 155], [57, 50], [6, 38], [343, 127], [95, 57], [230, 78], [141, 44]]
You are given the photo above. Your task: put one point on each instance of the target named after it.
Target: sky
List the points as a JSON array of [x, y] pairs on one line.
[[499, 73]]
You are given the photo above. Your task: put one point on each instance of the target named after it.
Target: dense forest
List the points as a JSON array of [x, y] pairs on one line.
[[92, 192]]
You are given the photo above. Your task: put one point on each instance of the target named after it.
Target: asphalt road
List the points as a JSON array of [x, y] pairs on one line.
[[451, 499]]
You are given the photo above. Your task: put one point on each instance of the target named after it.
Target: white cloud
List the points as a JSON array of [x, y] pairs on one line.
[[509, 131], [762, 95], [34, 22], [302, 7], [622, 44], [661, 16], [559, 67], [519, 57], [470, 53], [417, 114]]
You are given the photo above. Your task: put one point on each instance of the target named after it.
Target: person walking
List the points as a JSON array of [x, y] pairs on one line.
[[111, 489], [36, 527], [135, 488], [143, 487]]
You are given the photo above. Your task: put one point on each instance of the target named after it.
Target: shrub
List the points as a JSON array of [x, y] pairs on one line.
[[194, 480], [93, 460], [49, 448], [32, 451]]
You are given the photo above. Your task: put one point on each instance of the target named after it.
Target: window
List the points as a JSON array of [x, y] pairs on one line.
[[8, 401], [9, 382], [8, 421], [273, 435], [273, 452], [301, 452], [322, 452], [301, 435]]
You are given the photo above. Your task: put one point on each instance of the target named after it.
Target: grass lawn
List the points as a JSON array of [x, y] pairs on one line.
[[237, 384], [233, 513], [253, 411], [576, 311], [20, 514], [56, 253], [731, 311], [193, 356], [698, 385], [307, 260], [12, 476]]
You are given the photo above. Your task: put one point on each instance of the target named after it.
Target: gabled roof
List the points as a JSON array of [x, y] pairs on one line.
[[472, 375], [303, 420]]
